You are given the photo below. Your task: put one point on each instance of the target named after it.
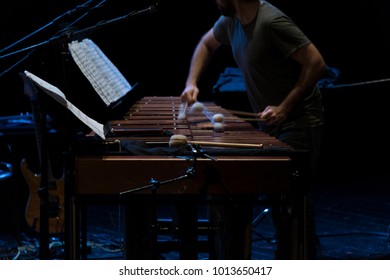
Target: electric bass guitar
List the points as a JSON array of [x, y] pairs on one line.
[[55, 186]]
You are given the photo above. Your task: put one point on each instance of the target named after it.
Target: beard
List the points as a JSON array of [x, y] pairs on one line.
[[226, 8]]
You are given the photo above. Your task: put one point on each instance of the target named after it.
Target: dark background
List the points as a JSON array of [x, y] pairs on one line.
[[155, 50]]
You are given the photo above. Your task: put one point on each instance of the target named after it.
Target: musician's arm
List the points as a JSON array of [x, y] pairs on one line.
[[200, 60], [313, 65]]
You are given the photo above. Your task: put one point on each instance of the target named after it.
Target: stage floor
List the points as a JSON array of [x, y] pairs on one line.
[[353, 222]]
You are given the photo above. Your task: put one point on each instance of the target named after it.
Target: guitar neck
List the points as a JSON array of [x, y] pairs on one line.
[[39, 119]]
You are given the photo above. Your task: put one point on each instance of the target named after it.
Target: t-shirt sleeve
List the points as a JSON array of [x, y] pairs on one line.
[[286, 35], [220, 30]]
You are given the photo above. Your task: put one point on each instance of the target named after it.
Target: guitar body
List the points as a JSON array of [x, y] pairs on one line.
[[55, 201]]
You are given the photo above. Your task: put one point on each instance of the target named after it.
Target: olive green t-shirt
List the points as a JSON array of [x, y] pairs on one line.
[[262, 50]]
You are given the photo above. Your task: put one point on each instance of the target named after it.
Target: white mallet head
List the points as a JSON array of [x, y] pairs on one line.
[[178, 140], [219, 127], [218, 118], [197, 107]]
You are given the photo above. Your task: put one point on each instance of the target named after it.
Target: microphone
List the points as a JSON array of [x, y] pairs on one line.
[[153, 8], [155, 5], [197, 151]]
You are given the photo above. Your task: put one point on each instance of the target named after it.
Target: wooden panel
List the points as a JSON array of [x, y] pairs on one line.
[[226, 175]]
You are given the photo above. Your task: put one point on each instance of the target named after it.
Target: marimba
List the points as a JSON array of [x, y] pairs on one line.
[[225, 172], [152, 120]]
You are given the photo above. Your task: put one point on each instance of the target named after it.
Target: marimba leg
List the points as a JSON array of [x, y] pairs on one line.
[[233, 224]]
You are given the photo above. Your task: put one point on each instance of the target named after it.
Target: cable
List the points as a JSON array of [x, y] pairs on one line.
[[380, 234]]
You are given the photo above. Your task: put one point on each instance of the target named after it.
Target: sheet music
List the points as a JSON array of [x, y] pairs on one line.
[[60, 97], [105, 78]]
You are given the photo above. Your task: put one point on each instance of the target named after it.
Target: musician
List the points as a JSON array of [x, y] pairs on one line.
[[280, 66]]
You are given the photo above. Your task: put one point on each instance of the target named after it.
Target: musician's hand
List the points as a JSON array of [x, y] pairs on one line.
[[190, 94], [272, 115]]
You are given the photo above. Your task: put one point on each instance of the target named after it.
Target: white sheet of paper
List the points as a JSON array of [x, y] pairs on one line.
[[60, 97], [103, 75]]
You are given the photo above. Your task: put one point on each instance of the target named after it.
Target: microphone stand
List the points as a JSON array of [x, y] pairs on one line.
[[196, 152], [154, 184], [134, 248], [66, 31], [151, 9], [68, 13]]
